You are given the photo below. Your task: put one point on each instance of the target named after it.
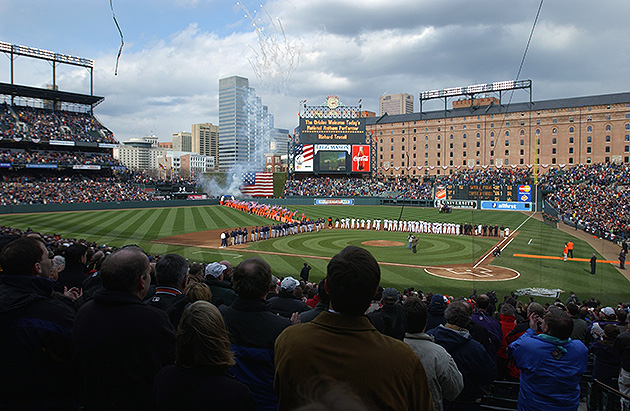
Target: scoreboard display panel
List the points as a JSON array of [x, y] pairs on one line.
[[332, 130], [488, 192]]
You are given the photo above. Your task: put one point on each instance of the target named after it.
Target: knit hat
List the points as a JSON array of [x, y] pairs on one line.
[[437, 299], [390, 294]]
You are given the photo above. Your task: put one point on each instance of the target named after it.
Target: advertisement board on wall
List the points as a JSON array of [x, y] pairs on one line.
[[332, 130], [506, 205], [304, 158], [361, 158], [334, 201]]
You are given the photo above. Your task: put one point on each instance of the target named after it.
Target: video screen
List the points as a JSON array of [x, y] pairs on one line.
[[332, 161]]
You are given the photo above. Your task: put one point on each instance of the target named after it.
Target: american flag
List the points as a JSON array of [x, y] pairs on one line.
[[306, 151], [257, 184]]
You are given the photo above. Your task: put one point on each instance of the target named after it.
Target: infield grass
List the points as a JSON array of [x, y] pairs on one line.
[[142, 226]]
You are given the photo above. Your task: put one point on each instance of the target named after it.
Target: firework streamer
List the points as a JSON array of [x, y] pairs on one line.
[[122, 42]]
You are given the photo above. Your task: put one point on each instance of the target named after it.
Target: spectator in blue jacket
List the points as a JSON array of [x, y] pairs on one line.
[[551, 364]]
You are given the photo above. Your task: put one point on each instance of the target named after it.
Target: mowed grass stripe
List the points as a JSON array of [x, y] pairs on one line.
[[146, 227]]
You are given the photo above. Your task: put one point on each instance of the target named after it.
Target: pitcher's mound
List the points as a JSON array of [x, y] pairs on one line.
[[382, 243]]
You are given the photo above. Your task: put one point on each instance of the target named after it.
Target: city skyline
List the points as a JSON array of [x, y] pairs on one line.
[[175, 52]]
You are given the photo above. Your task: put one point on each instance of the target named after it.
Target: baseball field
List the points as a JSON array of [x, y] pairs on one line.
[[448, 264]]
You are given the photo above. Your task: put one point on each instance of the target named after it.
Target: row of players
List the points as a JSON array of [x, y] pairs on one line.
[[240, 235], [425, 227]]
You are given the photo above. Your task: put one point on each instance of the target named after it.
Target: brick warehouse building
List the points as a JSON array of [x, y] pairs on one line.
[[569, 131]]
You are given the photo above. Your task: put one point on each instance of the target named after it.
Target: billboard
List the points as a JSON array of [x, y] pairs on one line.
[[332, 130], [304, 158], [332, 161], [361, 158]]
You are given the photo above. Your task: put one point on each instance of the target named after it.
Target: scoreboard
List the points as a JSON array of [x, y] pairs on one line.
[[488, 192]]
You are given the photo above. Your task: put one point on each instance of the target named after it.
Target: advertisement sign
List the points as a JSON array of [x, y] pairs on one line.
[[86, 167], [470, 204], [197, 197], [361, 158], [334, 201], [61, 143], [440, 193], [525, 193], [304, 158], [506, 205], [40, 165]]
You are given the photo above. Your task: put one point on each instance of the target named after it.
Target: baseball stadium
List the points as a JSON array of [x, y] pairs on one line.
[[529, 230]]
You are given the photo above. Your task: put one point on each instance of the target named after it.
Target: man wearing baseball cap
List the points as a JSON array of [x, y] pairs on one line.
[[222, 293]]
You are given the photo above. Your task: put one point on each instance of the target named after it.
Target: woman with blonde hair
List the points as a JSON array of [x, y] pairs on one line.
[[199, 378]]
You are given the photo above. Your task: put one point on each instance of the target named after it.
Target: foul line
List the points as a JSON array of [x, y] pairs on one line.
[[551, 257]]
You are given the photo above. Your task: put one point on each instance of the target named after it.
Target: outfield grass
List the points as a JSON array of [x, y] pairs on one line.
[[141, 226]]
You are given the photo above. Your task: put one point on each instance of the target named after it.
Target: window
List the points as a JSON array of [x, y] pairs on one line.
[[589, 139], [555, 120], [627, 126], [627, 137], [439, 137], [507, 143], [391, 148], [571, 118], [451, 145], [492, 144], [450, 154], [464, 126], [522, 152], [507, 133], [381, 148], [381, 141], [464, 144], [608, 149], [392, 132], [608, 139], [570, 150], [553, 150], [478, 144], [491, 125], [571, 140], [570, 160], [608, 125], [414, 138], [507, 152], [588, 149], [426, 155], [403, 148], [439, 155], [507, 124], [521, 161], [477, 155], [553, 141], [403, 132], [391, 157], [464, 136], [589, 129], [491, 134], [414, 155], [522, 142], [554, 131], [478, 125], [491, 153], [553, 160], [537, 131], [464, 154], [426, 146], [571, 129], [439, 146], [522, 132], [450, 137], [626, 149], [588, 160], [392, 140], [426, 138], [507, 161]]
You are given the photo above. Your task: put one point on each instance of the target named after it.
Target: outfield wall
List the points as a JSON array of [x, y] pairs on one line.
[[50, 208]]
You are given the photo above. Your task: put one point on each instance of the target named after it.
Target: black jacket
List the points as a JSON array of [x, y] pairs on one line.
[[119, 344], [170, 300], [390, 320], [72, 276], [35, 332], [286, 304], [222, 293]]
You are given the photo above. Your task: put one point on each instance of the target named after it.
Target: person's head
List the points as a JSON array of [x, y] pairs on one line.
[[352, 279], [483, 302], [573, 309], [196, 272], [75, 254], [458, 313], [127, 269], [229, 270], [251, 278], [202, 340], [171, 270], [417, 314], [557, 323], [273, 284], [611, 331], [215, 271], [390, 296], [622, 316], [535, 308], [324, 298], [608, 314], [508, 309], [26, 256], [196, 291]]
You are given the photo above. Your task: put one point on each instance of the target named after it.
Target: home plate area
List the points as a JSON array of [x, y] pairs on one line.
[[469, 272]]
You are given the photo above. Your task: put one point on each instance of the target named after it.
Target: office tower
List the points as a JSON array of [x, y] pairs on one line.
[[182, 141], [401, 103], [205, 141]]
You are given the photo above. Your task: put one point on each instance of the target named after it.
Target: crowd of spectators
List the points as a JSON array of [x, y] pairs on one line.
[[492, 176], [17, 157], [38, 124], [155, 319], [77, 188], [595, 198], [358, 187]]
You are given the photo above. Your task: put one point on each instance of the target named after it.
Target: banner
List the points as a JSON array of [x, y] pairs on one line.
[[470, 204], [525, 193], [86, 167], [506, 206], [361, 158], [61, 143], [334, 201], [304, 158], [197, 197]]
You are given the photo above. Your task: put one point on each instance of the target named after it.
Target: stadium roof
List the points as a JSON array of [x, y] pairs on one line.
[[603, 99], [52, 95]]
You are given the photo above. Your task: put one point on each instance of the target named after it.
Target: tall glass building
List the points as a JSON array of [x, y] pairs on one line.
[[245, 125]]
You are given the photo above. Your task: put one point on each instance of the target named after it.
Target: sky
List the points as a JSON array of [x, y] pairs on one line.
[[176, 51]]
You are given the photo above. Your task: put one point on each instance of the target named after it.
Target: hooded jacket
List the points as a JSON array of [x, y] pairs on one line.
[[477, 367], [550, 371], [35, 341]]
